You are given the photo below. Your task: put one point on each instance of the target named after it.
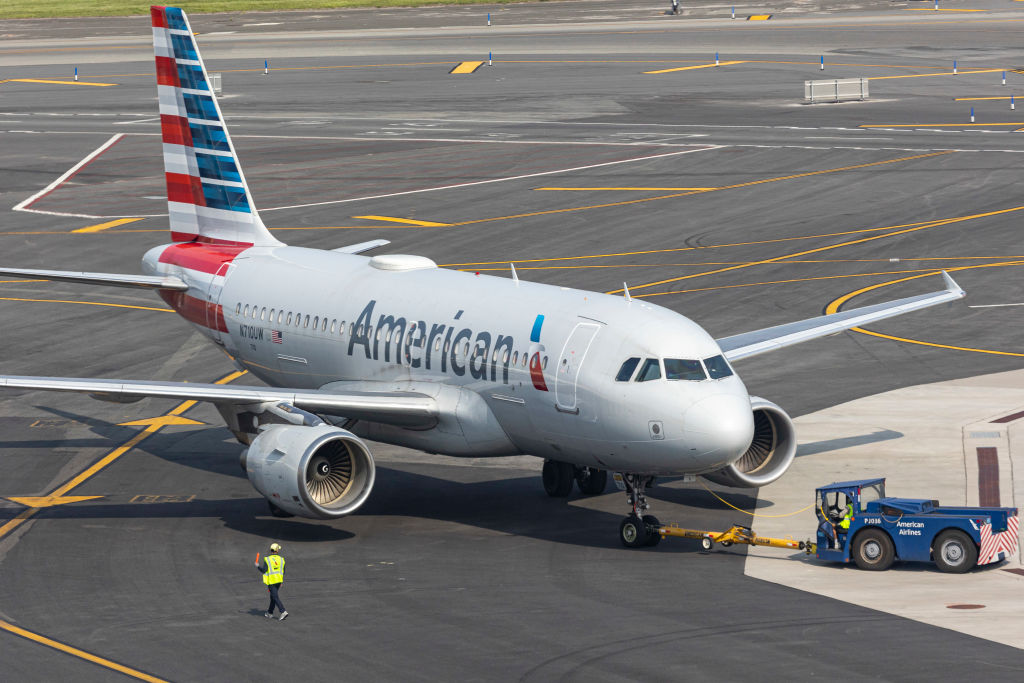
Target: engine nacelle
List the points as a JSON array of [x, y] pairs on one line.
[[320, 472], [770, 454]]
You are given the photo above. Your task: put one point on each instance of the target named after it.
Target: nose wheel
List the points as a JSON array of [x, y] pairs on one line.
[[638, 529]]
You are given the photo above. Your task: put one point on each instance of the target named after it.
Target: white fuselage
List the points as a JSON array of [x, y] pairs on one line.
[[515, 367]]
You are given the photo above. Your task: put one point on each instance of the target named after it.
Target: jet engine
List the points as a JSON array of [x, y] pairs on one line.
[[770, 453], [311, 471]]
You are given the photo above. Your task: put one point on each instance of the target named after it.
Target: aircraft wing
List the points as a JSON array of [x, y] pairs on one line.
[[405, 409], [111, 279], [362, 246], [753, 343]]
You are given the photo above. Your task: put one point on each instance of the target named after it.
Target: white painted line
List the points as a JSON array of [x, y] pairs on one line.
[[993, 305], [128, 123], [836, 137], [495, 180], [23, 206]]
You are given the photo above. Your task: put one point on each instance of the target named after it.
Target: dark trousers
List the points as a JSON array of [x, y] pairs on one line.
[[274, 599]]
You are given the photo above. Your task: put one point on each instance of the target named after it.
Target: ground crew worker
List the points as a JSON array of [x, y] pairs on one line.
[[272, 568], [844, 523]]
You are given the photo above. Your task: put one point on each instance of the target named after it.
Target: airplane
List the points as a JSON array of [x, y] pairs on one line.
[[394, 349]]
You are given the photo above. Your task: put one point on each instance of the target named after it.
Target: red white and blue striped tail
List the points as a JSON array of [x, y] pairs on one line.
[[208, 199]]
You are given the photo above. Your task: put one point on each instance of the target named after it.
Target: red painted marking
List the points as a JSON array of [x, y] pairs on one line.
[[167, 72], [206, 258], [196, 310], [203, 239], [175, 130], [988, 477], [1008, 418], [537, 373], [1015, 571], [185, 189], [157, 15]]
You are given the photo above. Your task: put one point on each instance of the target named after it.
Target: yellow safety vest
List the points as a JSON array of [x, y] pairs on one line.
[[275, 570], [845, 524]]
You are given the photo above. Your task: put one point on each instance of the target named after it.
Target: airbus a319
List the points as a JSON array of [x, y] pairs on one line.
[[394, 349]]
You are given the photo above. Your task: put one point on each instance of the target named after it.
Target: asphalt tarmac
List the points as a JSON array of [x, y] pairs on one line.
[[566, 158]]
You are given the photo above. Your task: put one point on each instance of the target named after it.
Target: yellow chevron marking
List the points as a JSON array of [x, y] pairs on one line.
[[49, 501]]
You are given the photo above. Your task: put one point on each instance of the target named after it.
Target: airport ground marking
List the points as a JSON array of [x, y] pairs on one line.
[[67, 175], [112, 456], [750, 183], [49, 501], [406, 221], [520, 267], [759, 17], [932, 224], [938, 125], [162, 421], [81, 654], [622, 189], [696, 66], [836, 304], [466, 68], [109, 224], [85, 303], [974, 99], [40, 80], [942, 73], [940, 9]]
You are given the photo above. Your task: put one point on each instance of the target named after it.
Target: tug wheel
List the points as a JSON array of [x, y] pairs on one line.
[[873, 550], [954, 552], [706, 543]]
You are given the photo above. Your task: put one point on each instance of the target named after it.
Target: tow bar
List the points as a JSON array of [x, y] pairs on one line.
[[737, 534]]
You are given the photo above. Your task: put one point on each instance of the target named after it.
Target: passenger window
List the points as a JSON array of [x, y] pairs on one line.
[[280, 316], [515, 358], [316, 322], [717, 367], [238, 308], [334, 324], [305, 323], [504, 357], [289, 321], [437, 344], [271, 318], [263, 313], [651, 369], [676, 368], [544, 365], [626, 371], [323, 325], [246, 314]]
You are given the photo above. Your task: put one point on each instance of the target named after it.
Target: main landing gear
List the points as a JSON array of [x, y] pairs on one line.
[[559, 476], [638, 529]]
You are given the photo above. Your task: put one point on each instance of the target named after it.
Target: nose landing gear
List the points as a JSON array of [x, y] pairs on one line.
[[638, 529]]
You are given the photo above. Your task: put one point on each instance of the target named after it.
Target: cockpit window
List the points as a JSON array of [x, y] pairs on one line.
[[651, 369], [676, 368], [626, 371], [717, 367]]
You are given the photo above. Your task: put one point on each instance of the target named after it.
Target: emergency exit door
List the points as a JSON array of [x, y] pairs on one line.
[[569, 363]]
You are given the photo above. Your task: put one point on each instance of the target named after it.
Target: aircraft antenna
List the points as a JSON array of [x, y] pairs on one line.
[[515, 276], [625, 292]]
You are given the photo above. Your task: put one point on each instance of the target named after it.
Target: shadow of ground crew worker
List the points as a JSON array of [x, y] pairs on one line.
[[272, 568]]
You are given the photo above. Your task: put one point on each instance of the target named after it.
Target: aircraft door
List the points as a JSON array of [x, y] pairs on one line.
[[569, 363], [214, 315]]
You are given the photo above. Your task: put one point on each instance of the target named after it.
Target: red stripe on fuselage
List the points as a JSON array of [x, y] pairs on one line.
[[175, 130], [205, 313], [157, 15], [185, 189], [206, 258]]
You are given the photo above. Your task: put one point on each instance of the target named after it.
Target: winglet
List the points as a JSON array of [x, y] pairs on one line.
[[951, 285]]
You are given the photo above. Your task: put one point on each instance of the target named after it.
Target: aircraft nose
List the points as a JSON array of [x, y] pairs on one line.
[[722, 424]]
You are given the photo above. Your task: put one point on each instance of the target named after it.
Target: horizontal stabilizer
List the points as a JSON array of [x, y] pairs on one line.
[[110, 279], [362, 246], [405, 409], [771, 338]]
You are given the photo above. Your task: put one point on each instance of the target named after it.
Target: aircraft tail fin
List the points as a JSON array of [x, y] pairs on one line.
[[208, 199]]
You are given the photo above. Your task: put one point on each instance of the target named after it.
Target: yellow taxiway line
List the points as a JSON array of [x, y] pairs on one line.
[[936, 125], [624, 189], [404, 221], [940, 9], [41, 80], [972, 99], [941, 73], [689, 68], [83, 303], [81, 654], [109, 224]]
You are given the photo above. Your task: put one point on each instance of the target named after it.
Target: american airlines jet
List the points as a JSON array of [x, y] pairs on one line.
[[394, 349]]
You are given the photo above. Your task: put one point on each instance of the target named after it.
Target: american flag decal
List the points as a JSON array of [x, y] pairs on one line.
[[275, 336]]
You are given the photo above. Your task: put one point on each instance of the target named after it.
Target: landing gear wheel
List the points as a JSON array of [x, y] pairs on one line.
[[954, 552], [873, 550], [632, 532], [706, 543], [278, 512], [558, 477], [653, 537], [590, 480]]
